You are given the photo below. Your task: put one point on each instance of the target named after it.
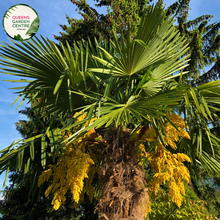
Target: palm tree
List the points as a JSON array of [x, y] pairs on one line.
[[119, 91]]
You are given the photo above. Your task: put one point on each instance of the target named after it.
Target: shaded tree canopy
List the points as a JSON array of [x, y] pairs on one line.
[[95, 24], [204, 41]]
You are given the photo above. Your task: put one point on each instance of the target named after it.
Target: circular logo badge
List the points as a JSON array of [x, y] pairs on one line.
[[21, 22]]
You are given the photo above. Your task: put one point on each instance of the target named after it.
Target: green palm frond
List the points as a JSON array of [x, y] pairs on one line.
[[131, 82], [163, 50], [198, 111], [52, 72]]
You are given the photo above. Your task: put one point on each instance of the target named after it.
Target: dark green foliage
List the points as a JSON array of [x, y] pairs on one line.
[[31, 127], [204, 41], [95, 24], [91, 25], [192, 207], [17, 206], [208, 189]]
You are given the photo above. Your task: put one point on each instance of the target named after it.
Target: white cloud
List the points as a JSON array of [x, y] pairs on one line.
[[22, 117]]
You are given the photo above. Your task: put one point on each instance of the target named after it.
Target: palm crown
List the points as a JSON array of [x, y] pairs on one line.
[[125, 83]]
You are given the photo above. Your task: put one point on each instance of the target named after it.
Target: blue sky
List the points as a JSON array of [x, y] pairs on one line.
[[52, 13]]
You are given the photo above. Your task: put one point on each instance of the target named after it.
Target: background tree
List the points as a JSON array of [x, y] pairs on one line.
[[19, 203], [95, 24], [192, 207], [208, 189], [204, 41]]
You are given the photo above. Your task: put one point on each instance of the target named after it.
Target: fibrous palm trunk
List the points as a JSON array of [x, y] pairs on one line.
[[124, 194]]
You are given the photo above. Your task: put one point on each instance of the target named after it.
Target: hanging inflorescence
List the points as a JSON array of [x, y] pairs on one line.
[[76, 169], [71, 171], [169, 167]]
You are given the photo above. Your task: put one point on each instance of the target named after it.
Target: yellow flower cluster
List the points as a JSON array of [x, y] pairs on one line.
[[148, 134], [44, 176], [80, 117], [172, 133], [166, 166], [169, 167], [144, 133], [70, 172]]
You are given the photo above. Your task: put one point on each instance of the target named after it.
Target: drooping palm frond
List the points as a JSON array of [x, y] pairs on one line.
[[198, 111], [51, 72], [120, 84]]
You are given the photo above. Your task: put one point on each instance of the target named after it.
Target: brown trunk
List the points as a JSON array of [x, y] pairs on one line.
[[124, 194]]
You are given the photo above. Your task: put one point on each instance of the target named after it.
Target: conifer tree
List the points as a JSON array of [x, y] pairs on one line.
[[204, 41], [95, 24]]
